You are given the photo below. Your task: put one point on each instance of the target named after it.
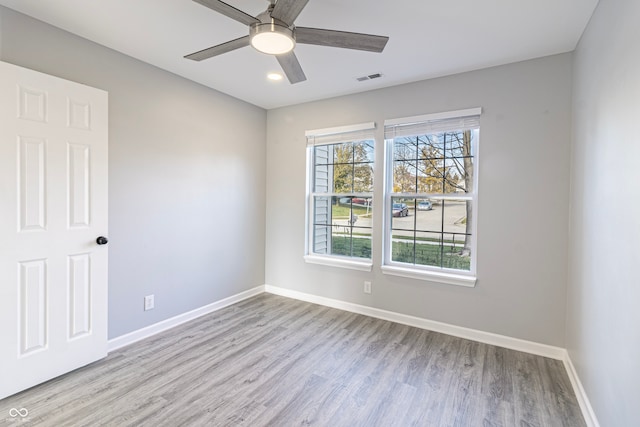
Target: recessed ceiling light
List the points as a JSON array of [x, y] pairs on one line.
[[274, 76]]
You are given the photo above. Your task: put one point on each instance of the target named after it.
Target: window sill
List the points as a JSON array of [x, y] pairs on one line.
[[433, 276], [339, 262]]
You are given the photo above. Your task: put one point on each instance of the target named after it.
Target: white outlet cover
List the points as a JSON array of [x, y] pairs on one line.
[[367, 287], [148, 302]]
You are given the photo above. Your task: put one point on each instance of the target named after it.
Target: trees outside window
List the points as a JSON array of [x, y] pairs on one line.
[[429, 204], [341, 196], [431, 171]]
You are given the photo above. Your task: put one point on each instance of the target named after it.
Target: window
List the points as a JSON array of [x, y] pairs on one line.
[[430, 198], [340, 196]]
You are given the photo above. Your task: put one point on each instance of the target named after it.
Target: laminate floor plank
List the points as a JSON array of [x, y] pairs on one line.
[[558, 396], [495, 412], [360, 374], [529, 411], [386, 373], [499, 367], [464, 389], [303, 355], [436, 380], [274, 361]]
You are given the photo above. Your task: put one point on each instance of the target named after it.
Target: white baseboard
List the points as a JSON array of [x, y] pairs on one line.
[[544, 350], [585, 405], [146, 332], [431, 325]]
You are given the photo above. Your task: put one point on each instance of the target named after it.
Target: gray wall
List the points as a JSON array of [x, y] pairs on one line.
[[523, 199], [603, 336], [186, 176], [187, 194]]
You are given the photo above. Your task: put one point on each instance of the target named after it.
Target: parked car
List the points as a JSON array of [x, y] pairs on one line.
[[361, 201], [425, 205], [400, 209]]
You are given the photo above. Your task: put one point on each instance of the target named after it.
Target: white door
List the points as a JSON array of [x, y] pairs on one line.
[[53, 206]]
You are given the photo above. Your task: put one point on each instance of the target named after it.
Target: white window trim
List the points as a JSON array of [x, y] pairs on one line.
[[446, 276], [433, 276], [326, 135], [338, 261], [434, 116], [340, 129]]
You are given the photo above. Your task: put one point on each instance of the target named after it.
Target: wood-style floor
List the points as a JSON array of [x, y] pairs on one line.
[[274, 361]]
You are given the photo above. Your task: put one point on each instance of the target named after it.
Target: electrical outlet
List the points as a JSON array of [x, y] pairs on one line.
[[367, 287], [149, 303]]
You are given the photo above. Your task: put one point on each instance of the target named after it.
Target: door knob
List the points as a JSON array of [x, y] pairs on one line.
[[102, 240]]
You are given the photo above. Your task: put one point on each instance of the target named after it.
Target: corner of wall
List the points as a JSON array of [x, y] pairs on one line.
[[1, 19], [583, 400]]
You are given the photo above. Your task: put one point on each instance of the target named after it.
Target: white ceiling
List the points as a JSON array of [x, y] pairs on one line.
[[428, 38]]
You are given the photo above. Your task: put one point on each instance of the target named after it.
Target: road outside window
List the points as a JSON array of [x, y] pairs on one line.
[[341, 199], [431, 196]]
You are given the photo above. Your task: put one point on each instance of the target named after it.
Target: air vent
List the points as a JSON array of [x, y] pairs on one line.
[[369, 77]]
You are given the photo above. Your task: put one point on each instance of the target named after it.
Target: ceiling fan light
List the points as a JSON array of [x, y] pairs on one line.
[[272, 38]]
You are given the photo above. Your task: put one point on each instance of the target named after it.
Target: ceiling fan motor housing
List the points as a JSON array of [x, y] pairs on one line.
[[273, 37]]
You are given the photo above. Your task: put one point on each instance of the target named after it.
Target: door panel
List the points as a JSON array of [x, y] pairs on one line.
[[79, 295], [53, 205], [31, 181], [79, 189], [32, 306]]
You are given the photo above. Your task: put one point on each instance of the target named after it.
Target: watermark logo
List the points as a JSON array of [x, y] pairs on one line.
[[15, 413]]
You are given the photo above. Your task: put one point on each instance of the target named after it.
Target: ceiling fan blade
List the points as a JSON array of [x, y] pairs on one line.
[[228, 10], [342, 39], [219, 49], [291, 67], [288, 10]]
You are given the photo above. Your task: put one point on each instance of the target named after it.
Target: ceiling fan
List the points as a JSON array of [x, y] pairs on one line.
[[273, 32]]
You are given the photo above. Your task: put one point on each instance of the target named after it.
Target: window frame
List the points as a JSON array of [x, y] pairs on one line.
[[329, 136], [426, 272]]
